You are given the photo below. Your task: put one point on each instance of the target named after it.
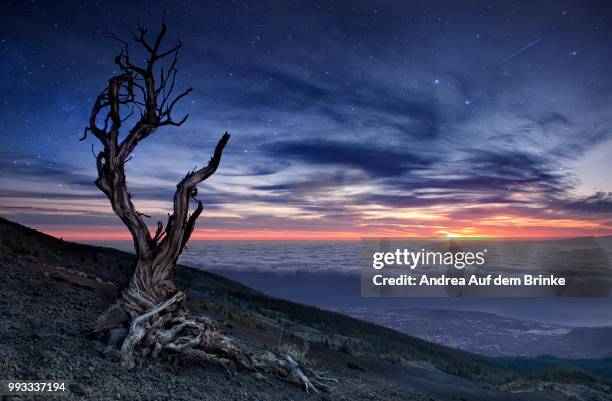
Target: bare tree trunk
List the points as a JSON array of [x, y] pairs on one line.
[[151, 308]]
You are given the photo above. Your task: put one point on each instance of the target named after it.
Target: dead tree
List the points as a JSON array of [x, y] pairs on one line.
[[151, 309]]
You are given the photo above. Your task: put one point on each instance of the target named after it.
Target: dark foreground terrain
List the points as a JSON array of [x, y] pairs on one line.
[[52, 291]]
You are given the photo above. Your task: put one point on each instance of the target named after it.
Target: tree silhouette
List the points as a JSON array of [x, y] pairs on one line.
[[137, 102]]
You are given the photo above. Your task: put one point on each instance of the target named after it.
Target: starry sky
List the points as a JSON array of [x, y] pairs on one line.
[[348, 119]]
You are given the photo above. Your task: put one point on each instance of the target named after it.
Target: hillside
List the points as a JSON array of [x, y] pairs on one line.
[[53, 290]]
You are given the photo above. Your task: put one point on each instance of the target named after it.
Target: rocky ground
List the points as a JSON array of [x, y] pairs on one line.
[[43, 324]]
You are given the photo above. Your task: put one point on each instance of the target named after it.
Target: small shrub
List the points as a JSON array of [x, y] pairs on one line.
[[298, 355], [345, 348]]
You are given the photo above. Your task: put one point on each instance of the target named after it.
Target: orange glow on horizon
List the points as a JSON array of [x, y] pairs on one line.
[[79, 235], [379, 222], [562, 230]]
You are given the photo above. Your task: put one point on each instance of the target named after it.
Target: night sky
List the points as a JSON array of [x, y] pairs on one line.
[[347, 119]]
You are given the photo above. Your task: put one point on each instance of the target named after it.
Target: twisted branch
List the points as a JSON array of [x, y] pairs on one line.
[[136, 89]]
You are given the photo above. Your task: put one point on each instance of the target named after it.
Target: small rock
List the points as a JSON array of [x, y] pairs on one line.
[[78, 389], [260, 377], [354, 366]]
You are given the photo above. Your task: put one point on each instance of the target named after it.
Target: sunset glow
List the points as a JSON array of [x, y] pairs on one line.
[[495, 226]]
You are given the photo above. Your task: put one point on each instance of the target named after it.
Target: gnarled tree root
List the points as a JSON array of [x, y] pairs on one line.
[[169, 330]]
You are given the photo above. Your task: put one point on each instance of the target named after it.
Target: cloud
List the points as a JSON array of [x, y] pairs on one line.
[[600, 202], [373, 160]]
